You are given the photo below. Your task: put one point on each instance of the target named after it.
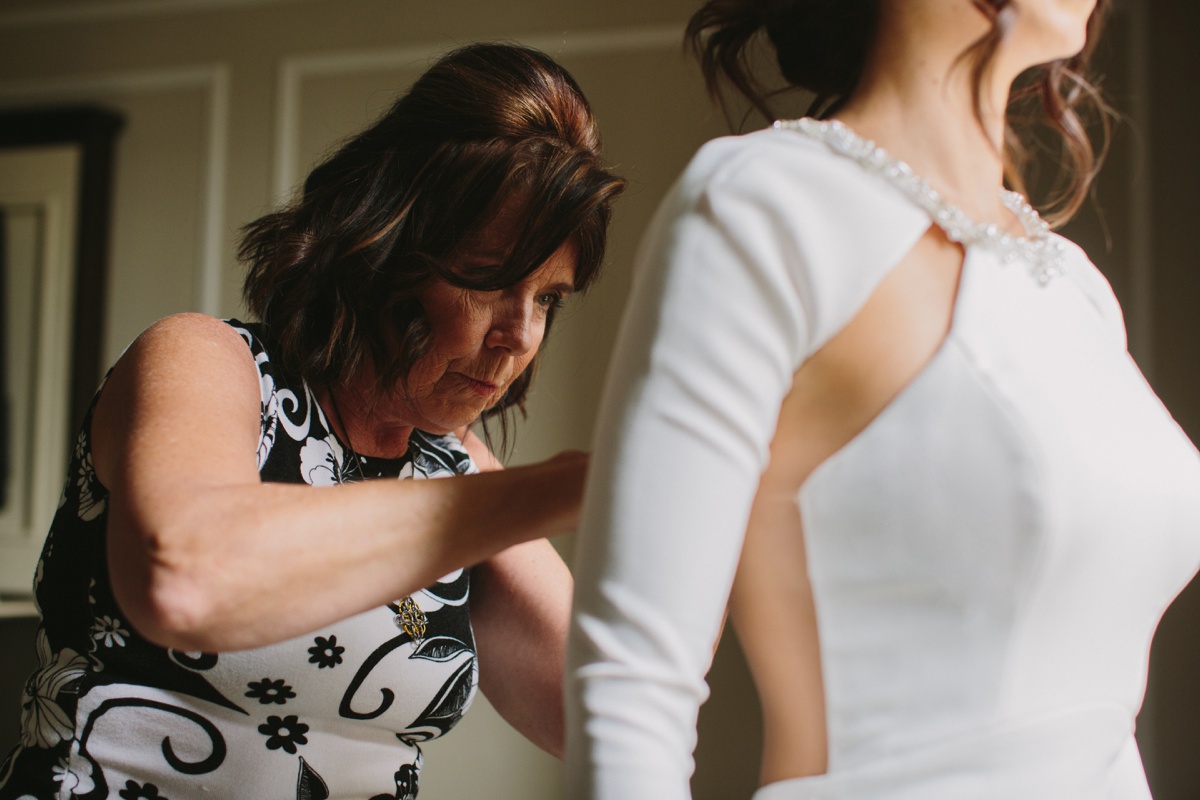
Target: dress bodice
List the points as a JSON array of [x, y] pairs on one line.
[[1032, 512], [336, 714], [989, 556]]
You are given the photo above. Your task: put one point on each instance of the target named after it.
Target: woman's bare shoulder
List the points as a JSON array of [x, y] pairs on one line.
[[184, 372], [187, 331]]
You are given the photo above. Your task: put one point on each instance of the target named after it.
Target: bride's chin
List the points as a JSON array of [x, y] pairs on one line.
[[1061, 31]]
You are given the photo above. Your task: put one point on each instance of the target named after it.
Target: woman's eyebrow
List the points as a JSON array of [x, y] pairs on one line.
[[563, 287]]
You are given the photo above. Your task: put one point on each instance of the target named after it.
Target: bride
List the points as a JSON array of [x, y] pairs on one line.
[[867, 397]]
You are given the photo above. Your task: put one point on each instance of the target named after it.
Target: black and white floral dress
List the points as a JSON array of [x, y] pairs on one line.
[[338, 713]]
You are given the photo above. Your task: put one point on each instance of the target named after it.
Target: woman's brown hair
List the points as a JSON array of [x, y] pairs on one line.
[[334, 276], [821, 46]]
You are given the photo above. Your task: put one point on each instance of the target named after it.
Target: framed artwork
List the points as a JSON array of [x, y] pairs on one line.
[[55, 190]]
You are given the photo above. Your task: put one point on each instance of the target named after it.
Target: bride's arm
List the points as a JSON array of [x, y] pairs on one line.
[[710, 340]]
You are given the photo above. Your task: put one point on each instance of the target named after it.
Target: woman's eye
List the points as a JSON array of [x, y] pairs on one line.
[[550, 300]]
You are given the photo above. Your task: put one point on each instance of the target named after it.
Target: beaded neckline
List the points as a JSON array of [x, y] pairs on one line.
[[1044, 253]]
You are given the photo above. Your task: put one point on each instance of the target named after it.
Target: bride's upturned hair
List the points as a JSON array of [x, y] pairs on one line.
[[821, 46]]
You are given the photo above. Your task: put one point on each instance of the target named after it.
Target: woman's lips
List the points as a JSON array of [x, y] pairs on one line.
[[481, 388]]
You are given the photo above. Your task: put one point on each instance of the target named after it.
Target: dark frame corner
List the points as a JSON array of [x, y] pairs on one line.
[[95, 130]]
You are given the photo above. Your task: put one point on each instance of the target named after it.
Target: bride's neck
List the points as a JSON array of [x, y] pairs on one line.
[[916, 99]]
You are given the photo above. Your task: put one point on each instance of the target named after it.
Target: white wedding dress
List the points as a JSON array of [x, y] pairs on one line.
[[989, 557]]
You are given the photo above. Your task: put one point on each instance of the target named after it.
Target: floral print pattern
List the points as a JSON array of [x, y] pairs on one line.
[[43, 721], [406, 784], [321, 462], [108, 632], [100, 685], [136, 791], [325, 653], [268, 691], [74, 777], [284, 732], [92, 503], [270, 414]]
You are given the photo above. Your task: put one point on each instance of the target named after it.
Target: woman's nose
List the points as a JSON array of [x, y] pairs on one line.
[[514, 328]]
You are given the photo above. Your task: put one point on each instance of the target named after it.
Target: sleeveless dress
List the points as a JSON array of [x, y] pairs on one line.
[[338, 713], [989, 557]]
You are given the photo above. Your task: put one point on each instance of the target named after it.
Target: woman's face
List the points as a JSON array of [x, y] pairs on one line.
[[482, 340], [1051, 29]]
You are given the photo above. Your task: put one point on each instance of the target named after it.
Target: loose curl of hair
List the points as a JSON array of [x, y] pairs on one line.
[[334, 277], [822, 46]]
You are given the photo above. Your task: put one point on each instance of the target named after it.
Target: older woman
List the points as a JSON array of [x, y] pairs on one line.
[[963, 508], [216, 626]]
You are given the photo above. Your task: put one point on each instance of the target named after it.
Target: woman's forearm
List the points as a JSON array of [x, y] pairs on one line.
[[243, 566]]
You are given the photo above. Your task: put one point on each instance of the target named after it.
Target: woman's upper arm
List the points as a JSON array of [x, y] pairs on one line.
[[520, 610], [177, 418], [185, 380]]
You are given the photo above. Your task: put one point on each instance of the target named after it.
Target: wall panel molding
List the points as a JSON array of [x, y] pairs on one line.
[[295, 70], [212, 78], [96, 10]]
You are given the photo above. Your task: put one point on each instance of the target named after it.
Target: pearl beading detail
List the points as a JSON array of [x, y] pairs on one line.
[[1045, 254]]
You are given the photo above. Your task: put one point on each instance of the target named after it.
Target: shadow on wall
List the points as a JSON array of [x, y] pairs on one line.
[[730, 728], [19, 661]]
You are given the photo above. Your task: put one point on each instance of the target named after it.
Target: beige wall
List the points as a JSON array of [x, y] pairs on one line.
[[1168, 214], [229, 101]]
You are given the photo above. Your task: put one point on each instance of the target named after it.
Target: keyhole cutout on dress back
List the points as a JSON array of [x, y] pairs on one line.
[[835, 395]]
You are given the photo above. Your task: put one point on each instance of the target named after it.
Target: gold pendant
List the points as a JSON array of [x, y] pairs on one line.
[[411, 619]]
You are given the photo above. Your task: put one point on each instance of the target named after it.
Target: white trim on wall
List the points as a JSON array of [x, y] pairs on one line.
[[212, 243], [94, 10], [293, 71], [215, 78]]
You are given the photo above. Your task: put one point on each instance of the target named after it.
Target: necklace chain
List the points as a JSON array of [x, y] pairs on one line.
[[408, 615], [353, 456], [1045, 254]]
